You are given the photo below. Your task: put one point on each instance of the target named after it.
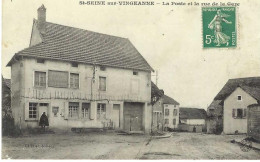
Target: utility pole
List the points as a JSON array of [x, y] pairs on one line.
[[156, 77]]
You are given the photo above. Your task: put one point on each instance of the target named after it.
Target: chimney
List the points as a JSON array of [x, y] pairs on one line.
[[42, 19]]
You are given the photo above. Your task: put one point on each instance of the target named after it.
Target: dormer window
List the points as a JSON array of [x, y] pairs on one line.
[[102, 68], [40, 61], [135, 73], [239, 98], [74, 64]]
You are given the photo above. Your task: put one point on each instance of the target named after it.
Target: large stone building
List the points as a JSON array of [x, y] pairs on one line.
[[81, 79]]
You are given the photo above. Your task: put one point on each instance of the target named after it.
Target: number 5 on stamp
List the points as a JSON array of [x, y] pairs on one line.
[[219, 27]]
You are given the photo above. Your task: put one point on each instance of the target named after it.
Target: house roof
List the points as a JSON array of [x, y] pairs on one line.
[[155, 90], [232, 84], [252, 91], [215, 104], [77, 45], [169, 100], [192, 113]]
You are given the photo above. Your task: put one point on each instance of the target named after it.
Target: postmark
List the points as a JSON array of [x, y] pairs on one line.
[[219, 27]]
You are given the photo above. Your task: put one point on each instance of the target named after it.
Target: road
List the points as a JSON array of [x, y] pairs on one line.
[[113, 146]]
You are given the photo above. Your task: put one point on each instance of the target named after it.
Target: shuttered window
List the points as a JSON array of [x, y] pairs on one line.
[[166, 121], [102, 83], [167, 112], [58, 79], [239, 113], [175, 112], [40, 79], [74, 80]]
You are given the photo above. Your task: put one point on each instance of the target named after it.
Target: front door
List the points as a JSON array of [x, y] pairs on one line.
[[43, 107], [116, 115]]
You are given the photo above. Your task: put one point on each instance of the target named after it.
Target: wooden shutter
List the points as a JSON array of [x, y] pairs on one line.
[[58, 79], [66, 110], [244, 113], [26, 111], [234, 113]]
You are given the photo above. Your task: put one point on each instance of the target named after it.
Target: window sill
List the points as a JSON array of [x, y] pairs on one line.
[[33, 120]]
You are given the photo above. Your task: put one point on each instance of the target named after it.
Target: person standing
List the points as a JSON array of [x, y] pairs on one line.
[[44, 121]]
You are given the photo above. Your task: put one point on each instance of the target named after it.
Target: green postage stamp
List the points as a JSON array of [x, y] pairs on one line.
[[219, 27]]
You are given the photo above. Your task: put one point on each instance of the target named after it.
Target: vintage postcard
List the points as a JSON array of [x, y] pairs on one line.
[[130, 79]]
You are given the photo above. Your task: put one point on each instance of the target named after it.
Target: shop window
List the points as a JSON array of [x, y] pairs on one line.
[[85, 110], [73, 109], [33, 110]]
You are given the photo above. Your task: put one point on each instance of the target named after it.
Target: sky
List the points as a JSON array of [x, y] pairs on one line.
[[168, 37]]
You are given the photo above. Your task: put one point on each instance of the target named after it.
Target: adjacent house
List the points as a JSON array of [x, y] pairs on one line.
[[192, 119], [80, 79], [231, 105], [157, 108], [165, 113]]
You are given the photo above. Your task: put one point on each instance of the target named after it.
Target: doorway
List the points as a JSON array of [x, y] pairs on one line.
[[116, 116]]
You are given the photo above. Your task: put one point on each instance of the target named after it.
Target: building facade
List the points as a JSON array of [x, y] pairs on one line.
[[228, 112], [80, 79], [192, 119]]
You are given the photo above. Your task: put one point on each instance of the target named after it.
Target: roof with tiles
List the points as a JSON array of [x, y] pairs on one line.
[[169, 100], [192, 113], [251, 85], [77, 45]]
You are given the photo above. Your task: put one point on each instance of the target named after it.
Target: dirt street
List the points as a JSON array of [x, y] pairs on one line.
[[113, 146]]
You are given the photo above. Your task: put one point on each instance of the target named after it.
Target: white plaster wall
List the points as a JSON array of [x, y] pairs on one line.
[[231, 102]]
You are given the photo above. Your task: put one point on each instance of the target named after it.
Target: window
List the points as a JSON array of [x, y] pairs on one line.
[[175, 112], [102, 83], [102, 68], [58, 79], [74, 80], [40, 61], [40, 79], [74, 64], [73, 109], [101, 111], [85, 110], [32, 110], [166, 121], [167, 112], [135, 73], [239, 98], [239, 113], [174, 121]]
